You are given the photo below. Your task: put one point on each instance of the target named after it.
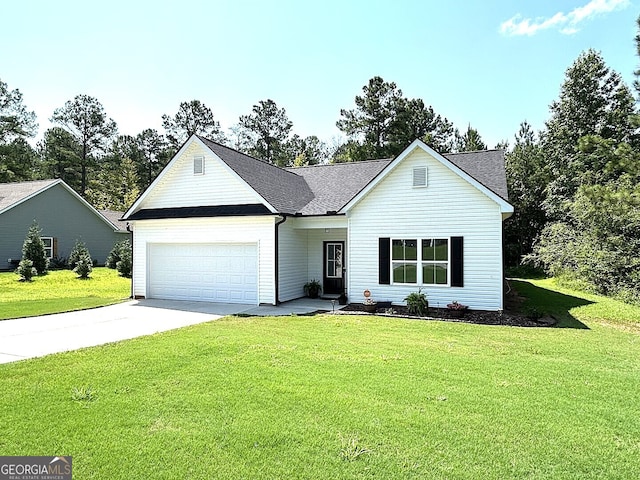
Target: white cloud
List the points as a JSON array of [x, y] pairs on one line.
[[567, 24]]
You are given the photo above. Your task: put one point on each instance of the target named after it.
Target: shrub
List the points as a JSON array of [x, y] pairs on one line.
[[120, 258], [26, 270], [33, 249], [78, 252], [417, 303], [84, 266]]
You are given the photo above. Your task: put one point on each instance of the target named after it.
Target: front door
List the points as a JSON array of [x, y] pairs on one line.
[[333, 268]]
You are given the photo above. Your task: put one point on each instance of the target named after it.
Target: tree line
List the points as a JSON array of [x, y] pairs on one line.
[[575, 185], [84, 149]]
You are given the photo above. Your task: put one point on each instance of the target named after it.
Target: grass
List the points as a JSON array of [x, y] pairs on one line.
[[343, 397], [60, 291]]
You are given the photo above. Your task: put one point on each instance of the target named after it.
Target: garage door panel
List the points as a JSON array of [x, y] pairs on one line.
[[204, 272]]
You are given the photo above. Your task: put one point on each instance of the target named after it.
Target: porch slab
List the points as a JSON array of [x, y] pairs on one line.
[[299, 306]]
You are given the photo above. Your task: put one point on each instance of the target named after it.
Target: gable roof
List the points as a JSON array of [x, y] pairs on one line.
[[284, 190], [332, 188], [12, 194], [15, 193], [486, 166], [489, 173]]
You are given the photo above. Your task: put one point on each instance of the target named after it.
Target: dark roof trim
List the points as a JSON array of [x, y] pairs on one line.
[[193, 212]]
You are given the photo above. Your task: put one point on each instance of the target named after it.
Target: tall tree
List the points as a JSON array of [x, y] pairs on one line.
[[17, 158], [18, 161], [15, 120], [527, 179], [192, 118], [153, 155], [593, 101], [85, 119], [305, 151], [469, 141], [60, 157], [413, 119], [370, 124], [270, 127]]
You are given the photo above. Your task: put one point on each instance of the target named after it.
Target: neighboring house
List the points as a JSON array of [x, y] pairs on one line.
[[63, 216], [218, 225]]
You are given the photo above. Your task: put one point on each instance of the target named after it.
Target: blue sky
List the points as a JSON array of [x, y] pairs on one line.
[[492, 64]]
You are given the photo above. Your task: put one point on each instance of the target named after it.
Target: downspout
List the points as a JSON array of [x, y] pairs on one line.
[[277, 254], [131, 232]]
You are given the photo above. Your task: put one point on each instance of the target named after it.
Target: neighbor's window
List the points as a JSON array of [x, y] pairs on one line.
[[435, 261], [198, 165], [48, 246], [404, 261]]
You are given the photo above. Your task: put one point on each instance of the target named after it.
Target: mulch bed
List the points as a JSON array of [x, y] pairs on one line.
[[480, 317]]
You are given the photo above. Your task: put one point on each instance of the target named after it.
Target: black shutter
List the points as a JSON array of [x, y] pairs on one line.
[[457, 262], [384, 261]]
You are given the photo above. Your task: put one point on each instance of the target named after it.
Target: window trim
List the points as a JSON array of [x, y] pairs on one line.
[[420, 262], [51, 248]]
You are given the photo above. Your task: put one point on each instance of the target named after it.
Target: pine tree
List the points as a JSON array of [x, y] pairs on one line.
[[33, 249]]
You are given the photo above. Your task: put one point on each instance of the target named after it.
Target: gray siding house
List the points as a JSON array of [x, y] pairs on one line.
[[63, 216]]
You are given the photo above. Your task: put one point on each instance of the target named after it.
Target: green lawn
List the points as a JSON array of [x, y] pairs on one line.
[[60, 291], [343, 397]]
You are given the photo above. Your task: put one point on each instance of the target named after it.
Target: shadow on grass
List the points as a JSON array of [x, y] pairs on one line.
[[548, 302]]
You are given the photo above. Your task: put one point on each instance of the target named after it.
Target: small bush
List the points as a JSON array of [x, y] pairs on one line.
[[26, 270], [79, 251], [58, 263], [33, 249], [417, 303], [120, 258], [84, 266]]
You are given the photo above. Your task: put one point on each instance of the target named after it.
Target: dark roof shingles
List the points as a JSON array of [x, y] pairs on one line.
[[285, 191], [12, 193], [321, 189]]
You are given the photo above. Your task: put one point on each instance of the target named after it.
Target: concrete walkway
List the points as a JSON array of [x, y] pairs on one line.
[[37, 336]]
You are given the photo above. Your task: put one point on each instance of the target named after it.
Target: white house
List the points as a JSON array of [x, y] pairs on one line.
[[218, 225]]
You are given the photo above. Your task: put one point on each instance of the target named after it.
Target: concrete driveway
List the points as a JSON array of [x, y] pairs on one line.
[[37, 336]]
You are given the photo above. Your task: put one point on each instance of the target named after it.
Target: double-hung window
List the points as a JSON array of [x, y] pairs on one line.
[[48, 246], [404, 261], [420, 261], [435, 261]]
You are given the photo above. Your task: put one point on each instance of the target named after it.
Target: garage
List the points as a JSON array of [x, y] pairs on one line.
[[225, 272]]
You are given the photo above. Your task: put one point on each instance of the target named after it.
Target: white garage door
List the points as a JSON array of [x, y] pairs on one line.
[[205, 272]]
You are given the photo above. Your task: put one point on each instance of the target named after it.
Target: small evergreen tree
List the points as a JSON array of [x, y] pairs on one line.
[[33, 249], [84, 266], [78, 252], [26, 270], [120, 258]]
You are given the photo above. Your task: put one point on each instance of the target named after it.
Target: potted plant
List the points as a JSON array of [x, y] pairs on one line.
[[457, 309], [312, 288], [370, 304], [342, 299]]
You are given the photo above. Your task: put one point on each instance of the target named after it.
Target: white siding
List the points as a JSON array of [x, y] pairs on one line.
[[258, 230], [292, 256], [448, 206], [301, 251], [316, 249], [179, 187]]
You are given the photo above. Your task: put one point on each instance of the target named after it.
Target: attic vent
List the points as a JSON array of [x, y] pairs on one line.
[[198, 165], [420, 177]]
